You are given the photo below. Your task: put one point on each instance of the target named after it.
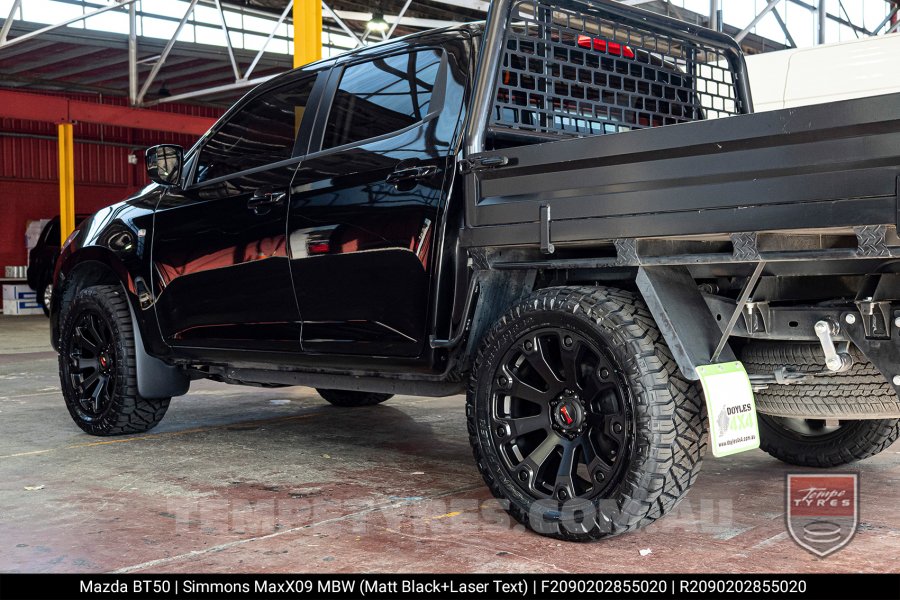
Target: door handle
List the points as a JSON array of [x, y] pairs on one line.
[[261, 202], [411, 174]]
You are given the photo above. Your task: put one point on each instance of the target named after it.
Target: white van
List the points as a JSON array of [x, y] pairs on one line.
[[855, 69]]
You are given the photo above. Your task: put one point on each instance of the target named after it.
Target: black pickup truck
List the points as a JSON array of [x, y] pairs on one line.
[[567, 211]]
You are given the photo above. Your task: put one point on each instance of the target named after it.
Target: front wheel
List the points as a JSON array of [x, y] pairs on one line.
[[97, 366], [578, 417], [43, 296]]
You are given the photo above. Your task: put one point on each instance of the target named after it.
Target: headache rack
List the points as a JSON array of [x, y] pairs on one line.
[[578, 68]]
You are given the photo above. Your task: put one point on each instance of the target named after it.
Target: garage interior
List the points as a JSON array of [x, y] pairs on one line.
[[239, 479]]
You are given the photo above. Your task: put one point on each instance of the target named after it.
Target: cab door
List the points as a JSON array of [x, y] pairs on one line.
[[365, 207], [222, 277]]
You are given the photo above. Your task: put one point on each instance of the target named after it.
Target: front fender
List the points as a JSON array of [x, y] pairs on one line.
[[112, 247]]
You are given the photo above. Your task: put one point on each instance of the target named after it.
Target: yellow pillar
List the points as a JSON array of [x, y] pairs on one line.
[[66, 181], [307, 31]]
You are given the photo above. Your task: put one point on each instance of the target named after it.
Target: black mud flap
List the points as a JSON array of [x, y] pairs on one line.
[[155, 378], [683, 317]]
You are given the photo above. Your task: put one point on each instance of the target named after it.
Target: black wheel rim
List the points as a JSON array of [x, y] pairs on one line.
[[92, 364], [561, 415]]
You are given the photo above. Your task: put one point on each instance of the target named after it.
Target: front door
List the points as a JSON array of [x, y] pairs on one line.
[[365, 208], [219, 251]]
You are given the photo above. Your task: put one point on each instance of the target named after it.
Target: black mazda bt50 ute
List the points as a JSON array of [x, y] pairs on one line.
[[569, 212]]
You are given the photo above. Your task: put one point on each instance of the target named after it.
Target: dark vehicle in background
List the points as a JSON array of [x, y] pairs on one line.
[[42, 260], [565, 212]]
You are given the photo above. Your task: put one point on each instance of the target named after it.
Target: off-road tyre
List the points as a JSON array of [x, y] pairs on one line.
[[347, 398], [861, 392], [667, 413], [99, 317]]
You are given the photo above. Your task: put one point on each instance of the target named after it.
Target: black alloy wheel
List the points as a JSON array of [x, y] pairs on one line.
[[579, 420], [561, 413], [98, 365], [92, 359]]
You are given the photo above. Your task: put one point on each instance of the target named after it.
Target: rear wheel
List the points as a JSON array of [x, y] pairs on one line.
[[819, 438], [347, 398], [825, 443], [97, 366], [578, 417], [861, 392]]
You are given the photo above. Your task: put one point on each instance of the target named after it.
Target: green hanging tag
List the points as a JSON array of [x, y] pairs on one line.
[[733, 426]]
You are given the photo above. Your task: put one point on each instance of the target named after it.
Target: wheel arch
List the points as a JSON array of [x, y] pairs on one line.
[[93, 266], [498, 291]]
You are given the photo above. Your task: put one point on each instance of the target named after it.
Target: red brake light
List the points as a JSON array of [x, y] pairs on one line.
[[318, 248], [614, 48]]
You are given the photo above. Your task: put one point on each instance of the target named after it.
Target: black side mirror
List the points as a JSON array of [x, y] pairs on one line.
[[164, 163]]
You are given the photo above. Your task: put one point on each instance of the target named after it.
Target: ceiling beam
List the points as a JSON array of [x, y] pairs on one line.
[[469, 4], [349, 15], [58, 109]]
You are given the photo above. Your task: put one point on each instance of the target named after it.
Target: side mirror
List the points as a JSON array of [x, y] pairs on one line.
[[164, 163]]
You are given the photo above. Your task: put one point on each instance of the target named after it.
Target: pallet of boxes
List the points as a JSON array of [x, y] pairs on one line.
[[18, 298]]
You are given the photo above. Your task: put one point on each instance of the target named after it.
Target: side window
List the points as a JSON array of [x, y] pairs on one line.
[[384, 95], [51, 233], [260, 133]]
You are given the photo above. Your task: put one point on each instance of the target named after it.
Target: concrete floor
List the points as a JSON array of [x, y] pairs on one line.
[[244, 479]]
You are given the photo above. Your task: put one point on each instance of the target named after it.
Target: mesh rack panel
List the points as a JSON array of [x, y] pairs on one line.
[[581, 71]]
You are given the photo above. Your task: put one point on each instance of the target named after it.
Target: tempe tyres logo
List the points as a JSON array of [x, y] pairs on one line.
[[822, 511]]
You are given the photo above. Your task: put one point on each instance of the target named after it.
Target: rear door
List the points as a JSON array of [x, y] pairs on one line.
[[365, 207], [219, 251]]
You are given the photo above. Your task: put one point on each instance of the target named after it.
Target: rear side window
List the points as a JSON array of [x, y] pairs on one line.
[[381, 96], [260, 133]]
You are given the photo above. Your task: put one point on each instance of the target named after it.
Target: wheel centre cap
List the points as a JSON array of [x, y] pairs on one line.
[[567, 413], [104, 361]]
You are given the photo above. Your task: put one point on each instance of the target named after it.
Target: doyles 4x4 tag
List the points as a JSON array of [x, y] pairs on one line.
[[822, 510], [730, 407]]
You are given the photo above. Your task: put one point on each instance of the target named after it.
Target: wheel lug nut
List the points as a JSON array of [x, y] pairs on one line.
[[501, 431], [567, 341], [599, 476], [604, 373], [523, 475], [503, 381], [617, 428], [562, 494], [529, 346]]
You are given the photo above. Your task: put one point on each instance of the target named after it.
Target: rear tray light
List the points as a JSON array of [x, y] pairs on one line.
[[601, 45]]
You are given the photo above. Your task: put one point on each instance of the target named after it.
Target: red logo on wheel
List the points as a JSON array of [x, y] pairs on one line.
[[565, 413], [822, 511]]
